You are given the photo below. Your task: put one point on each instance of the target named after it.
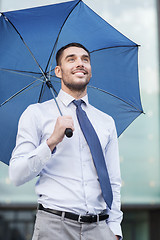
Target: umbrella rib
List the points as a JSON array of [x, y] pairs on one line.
[[115, 97], [17, 71], [26, 46], [21, 73], [54, 47], [100, 49], [17, 93]]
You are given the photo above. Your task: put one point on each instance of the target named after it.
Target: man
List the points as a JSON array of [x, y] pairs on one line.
[[68, 188]]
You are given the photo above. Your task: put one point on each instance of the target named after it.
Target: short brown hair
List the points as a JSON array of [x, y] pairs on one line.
[[60, 51]]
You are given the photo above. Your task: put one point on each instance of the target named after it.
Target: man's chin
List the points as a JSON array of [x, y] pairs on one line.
[[78, 86]]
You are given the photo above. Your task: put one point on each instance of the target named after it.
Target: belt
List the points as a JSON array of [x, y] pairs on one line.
[[79, 218]]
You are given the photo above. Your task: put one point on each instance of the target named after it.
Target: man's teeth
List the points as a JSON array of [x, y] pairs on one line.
[[79, 73]]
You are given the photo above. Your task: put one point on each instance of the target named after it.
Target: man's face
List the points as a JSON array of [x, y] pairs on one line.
[[74, 70]]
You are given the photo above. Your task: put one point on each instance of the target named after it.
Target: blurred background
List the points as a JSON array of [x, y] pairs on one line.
[[139, 145]]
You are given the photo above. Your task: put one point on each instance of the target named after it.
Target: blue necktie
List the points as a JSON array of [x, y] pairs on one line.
[[96, 151]]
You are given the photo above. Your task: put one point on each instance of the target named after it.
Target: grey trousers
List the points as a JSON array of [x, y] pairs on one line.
[[52, 227]]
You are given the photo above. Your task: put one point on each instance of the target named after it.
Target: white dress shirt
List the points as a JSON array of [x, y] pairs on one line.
[[67, 178]]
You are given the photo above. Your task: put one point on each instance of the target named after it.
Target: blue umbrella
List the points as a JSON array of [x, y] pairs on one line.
[[29, 40]]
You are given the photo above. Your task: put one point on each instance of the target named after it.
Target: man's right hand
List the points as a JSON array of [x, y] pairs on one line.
[[58, 134]]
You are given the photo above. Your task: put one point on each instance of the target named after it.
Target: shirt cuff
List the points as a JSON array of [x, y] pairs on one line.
[[39, 157], [43, 152]]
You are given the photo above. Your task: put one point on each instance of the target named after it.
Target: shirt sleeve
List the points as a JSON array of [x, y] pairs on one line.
[[113, 165], [29, 155]]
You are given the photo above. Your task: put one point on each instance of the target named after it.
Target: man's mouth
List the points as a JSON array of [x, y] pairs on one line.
[[79, 72]]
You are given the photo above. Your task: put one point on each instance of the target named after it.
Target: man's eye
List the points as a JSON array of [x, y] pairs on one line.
[[85, 59], [71, 59]]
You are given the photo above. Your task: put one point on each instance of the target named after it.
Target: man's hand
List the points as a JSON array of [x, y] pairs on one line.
[[58, 134], [117, 237]]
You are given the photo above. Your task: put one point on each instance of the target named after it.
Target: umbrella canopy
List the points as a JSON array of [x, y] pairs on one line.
[[29, 40]]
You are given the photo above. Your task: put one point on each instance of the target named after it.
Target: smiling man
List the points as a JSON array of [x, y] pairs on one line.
[[73, 202], [74, 78]]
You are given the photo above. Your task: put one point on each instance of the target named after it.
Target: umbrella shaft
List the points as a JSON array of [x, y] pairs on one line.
[[68, 131], [55, 100]]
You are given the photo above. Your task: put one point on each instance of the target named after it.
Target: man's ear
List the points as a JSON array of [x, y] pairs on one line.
[[58, 72]]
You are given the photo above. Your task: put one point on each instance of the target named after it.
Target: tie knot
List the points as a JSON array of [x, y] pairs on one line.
[[78, 102]]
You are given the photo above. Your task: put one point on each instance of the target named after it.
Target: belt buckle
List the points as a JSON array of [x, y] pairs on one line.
[[91, 218]]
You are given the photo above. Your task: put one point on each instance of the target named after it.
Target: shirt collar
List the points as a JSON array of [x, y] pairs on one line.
[[68, 99]]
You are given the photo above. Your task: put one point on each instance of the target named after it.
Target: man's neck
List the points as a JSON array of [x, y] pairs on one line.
[[76, 94]]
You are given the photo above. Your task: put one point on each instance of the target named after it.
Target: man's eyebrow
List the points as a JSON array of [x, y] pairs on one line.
[[86, 56], [68, 56], [73, 55]]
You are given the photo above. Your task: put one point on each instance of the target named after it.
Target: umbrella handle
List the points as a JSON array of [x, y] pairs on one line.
[[68, 132]]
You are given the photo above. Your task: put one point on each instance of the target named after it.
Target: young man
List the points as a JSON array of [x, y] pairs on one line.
[[71, 204]]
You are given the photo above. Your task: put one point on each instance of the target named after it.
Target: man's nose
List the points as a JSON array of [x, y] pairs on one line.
[[80, 62]]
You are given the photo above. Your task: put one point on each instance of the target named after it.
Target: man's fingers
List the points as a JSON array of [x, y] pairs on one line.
[[64, 122]]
